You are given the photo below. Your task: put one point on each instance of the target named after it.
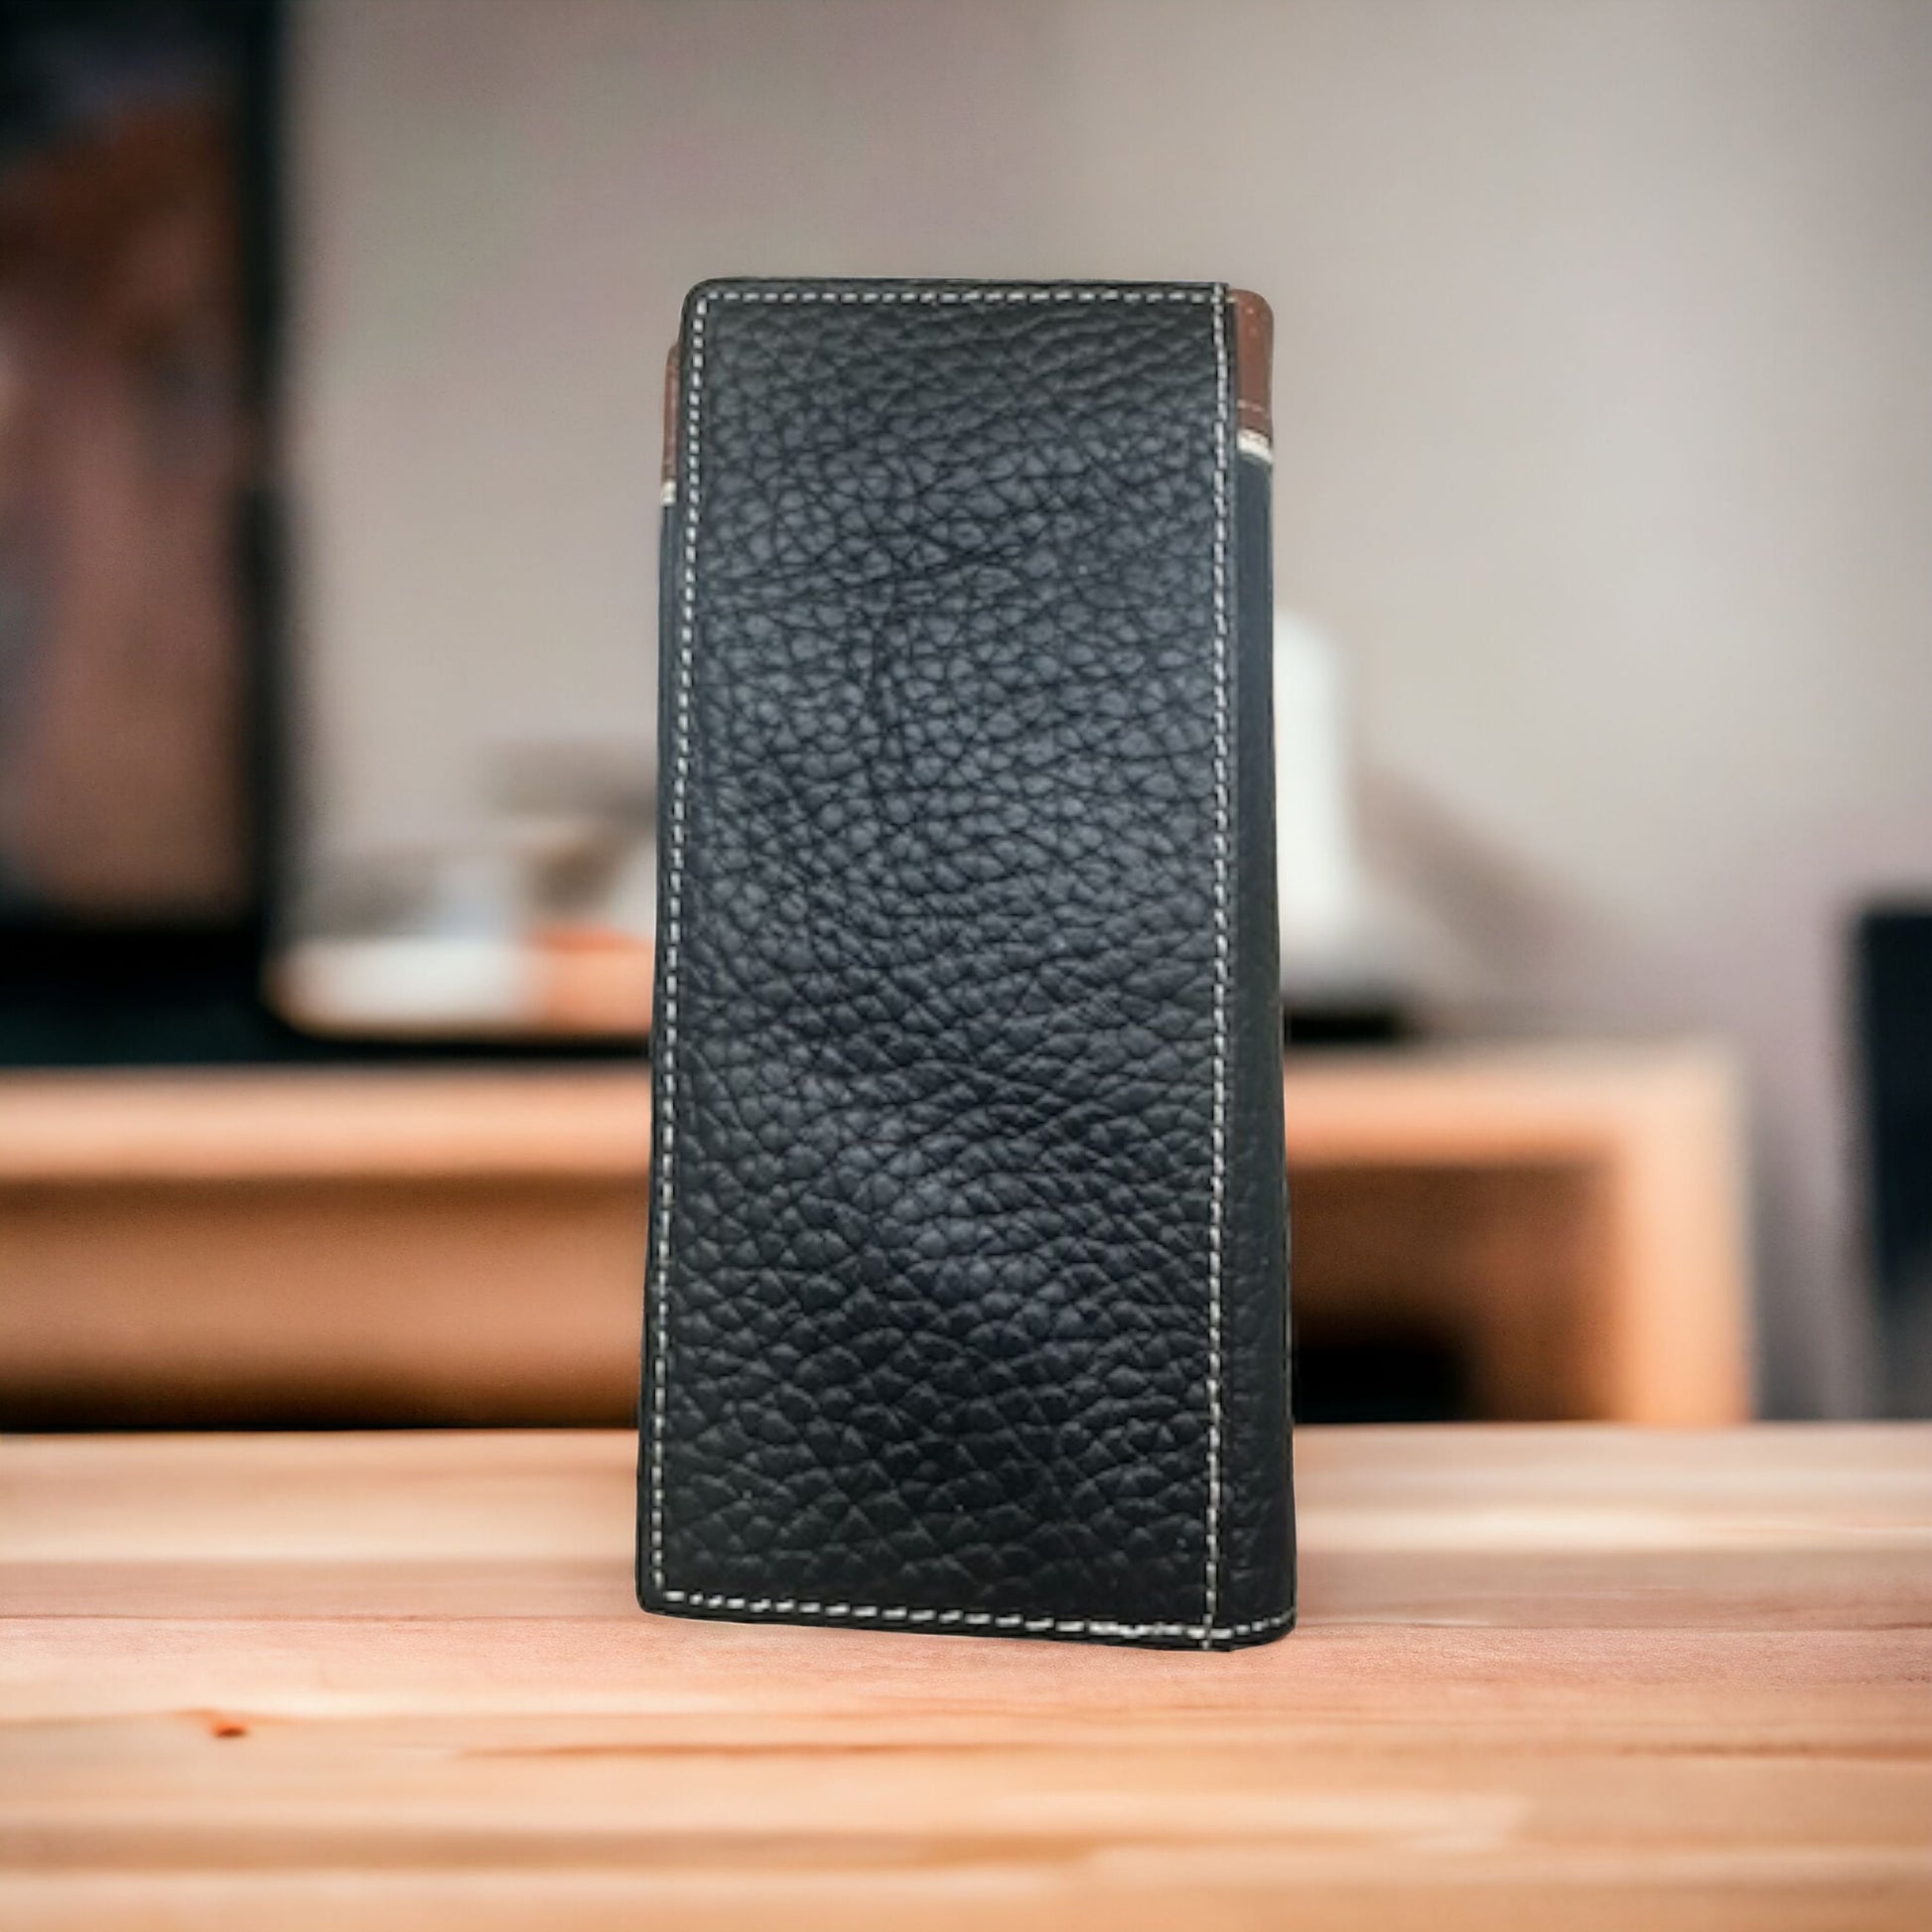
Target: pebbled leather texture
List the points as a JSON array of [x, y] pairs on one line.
[[967, 1300]]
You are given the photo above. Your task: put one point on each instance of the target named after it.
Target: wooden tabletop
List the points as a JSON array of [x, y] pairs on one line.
[[1545, 1678]]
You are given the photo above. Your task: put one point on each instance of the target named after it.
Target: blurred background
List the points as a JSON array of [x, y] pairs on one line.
[[332, 347]]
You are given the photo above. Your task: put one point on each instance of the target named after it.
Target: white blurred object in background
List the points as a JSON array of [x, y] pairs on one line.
[[1317, 881], [539, 927]]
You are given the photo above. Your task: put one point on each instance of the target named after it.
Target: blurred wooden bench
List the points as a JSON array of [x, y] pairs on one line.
[[441, 1246]]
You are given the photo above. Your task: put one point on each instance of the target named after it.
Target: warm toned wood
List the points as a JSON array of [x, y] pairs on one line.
[[1636, 1289], [376, 1246], [1434, 1107], [79, 1129], [1550, 1678], [405, 1301], [1506, 1266], [469, 1246]]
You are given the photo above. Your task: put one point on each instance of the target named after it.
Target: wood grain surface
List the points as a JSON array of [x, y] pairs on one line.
[[1545, 1678]]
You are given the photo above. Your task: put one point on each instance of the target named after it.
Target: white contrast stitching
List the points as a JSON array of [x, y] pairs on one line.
[[973, 1619], [1217, 1187], [674, 938], [1206, 1631], [871, 295]]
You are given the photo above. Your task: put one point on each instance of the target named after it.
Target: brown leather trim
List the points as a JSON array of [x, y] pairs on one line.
[[1253, 359], [667, 476]]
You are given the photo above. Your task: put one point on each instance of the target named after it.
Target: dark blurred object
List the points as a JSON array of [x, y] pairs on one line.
[[154, 999], [1894, 970], [140, 733], [137, 312], [1365, 1019], [1376, 1375]]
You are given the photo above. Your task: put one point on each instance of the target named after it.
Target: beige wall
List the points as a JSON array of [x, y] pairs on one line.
[[1605, 423]]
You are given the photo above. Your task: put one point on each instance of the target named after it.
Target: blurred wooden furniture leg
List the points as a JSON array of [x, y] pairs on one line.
[[1574, 1219]]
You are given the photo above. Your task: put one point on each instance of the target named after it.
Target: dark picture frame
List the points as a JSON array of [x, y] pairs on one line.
[[140, 165]]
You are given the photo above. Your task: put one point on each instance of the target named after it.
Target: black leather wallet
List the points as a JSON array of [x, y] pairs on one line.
[[967, 1298]]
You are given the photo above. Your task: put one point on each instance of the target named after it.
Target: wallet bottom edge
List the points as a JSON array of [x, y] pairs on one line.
[[959, 1623]]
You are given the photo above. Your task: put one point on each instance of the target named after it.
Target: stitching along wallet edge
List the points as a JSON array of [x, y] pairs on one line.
[[967, 1300]]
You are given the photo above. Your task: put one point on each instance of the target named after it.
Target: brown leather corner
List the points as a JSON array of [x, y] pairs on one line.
[[668, 474], [1254, 361]]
